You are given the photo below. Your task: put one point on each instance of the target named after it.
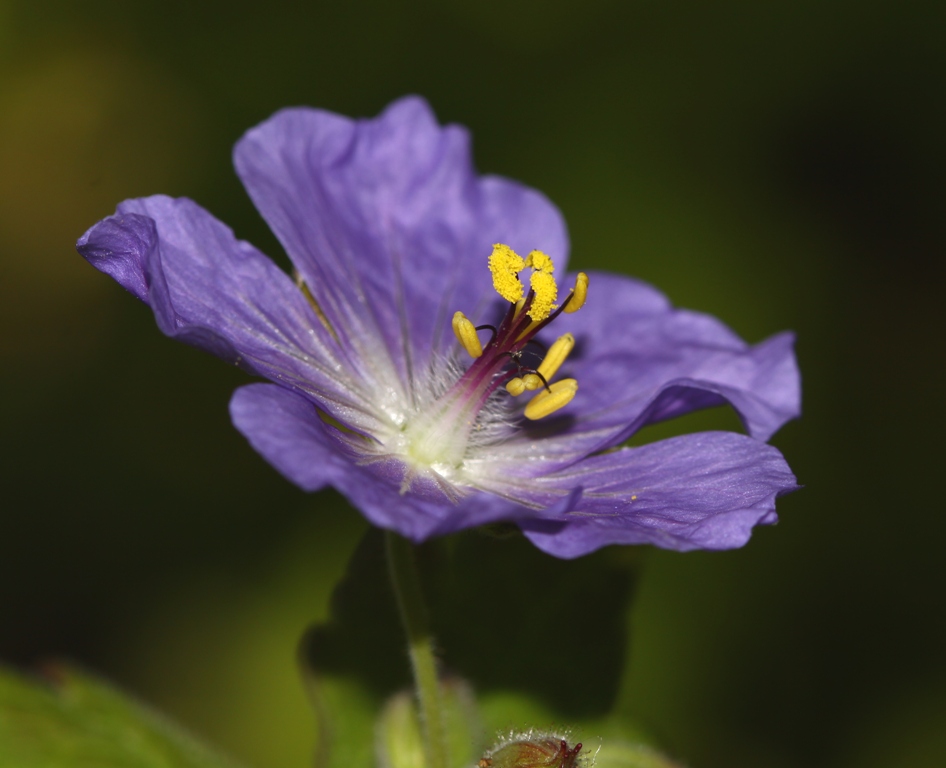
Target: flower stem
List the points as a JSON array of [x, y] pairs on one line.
[[410, 602]]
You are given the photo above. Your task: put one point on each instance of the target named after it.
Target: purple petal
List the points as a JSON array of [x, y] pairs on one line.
[[639, 361], [121, 247], [218, 293], [700, 491], [388, 222], [286, 430]]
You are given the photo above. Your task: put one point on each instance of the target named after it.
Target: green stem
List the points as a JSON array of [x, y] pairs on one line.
[[410, 602]]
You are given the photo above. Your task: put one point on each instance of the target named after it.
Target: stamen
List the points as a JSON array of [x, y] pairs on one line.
[[542, 284], [578, 295], [441, 439], [532, 382], [506, 264], [540, 261], [465, 332], [515, 387], [546, 291], [557, 354], [558, 395]]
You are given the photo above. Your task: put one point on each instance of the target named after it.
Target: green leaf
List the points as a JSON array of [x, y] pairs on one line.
[[73, 720]]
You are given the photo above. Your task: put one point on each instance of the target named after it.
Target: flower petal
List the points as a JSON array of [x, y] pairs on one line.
[[639, 361], [218, 293], [286, 430], [388, 222], [699, 491]]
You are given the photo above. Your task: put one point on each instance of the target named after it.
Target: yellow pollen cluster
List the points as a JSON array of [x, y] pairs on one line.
[[540, 261], [505, 265], [546, 292]]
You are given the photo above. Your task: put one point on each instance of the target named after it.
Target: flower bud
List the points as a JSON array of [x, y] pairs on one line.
[[534, 749]]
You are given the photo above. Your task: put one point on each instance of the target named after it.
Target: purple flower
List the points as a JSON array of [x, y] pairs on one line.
[[382, 385]]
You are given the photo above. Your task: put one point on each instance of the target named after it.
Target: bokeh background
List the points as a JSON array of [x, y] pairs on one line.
[[778, 165]]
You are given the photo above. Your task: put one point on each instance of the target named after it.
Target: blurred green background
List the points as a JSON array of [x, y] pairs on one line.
[[778, 165]]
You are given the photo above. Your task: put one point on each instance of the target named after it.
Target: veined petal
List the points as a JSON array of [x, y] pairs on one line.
[[388, 222], [638, 353], [639, 360], [699, 491], [219, 293], [286, 430]]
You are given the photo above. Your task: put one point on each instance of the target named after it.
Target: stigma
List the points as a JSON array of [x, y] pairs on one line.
[[502, 361]]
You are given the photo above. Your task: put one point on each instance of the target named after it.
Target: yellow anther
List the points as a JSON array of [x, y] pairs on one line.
[[547, 402], [546, 291], [465, 332], [578, 295], [506, 264], [515, 387], [532, 382], [540, 261], [556, 356]]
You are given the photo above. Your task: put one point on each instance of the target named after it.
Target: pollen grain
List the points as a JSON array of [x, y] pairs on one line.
[[505, 265], [546, 291]]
